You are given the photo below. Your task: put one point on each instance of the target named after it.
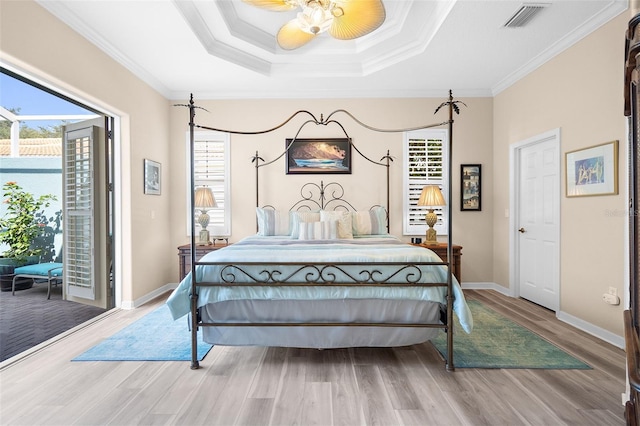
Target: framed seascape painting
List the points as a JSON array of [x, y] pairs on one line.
[[318, 156], [471, 187], [152, 176], [593, 171]]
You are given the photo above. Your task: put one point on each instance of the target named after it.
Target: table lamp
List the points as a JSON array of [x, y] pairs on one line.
[[431, 197], [204, 200]]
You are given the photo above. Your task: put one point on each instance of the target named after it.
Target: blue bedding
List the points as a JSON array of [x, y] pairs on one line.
[[370, 249]]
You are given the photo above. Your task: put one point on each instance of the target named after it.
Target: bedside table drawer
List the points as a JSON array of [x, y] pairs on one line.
[[441, 250], [184, 255]]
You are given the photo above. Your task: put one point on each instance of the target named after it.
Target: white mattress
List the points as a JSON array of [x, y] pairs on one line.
[[327, 311]]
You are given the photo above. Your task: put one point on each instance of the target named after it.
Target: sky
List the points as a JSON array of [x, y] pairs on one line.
[[33, 101]]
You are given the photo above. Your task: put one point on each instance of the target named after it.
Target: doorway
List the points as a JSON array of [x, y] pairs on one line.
[[66, 111], [535, 219]]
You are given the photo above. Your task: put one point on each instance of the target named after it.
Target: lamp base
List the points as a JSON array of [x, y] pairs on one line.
[[203, 238], [431, 219], [431, 237]]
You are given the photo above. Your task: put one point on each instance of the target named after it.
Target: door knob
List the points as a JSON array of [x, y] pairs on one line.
[[521, 230]]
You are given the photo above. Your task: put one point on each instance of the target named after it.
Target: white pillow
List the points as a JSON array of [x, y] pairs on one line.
[[322, 230], [370, 222], [300, 217], [273, 222], [345, 230]]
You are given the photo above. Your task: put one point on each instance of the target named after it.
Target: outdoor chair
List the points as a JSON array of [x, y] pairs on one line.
[[39, 272], [49, 269]]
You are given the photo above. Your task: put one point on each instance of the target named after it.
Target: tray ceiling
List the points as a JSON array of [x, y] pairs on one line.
[[227, 48]]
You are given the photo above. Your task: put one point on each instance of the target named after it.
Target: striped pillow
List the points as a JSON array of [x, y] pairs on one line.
[[371, 222], [299, 217], [344, 222], [273, 222], [322, 230]]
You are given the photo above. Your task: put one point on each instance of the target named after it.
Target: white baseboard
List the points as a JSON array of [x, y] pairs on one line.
[[486, 286], [132, 304], [578, 323], [594, 330]]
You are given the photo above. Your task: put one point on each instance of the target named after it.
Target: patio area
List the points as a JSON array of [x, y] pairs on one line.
[[28, 318]]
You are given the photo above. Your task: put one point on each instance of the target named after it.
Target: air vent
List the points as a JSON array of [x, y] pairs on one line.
[[525, 14]]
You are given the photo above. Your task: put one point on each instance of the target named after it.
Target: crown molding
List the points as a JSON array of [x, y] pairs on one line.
[[613, 9], [64, 14]]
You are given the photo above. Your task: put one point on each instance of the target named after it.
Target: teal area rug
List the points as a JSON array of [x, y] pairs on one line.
[[154, 337], [497, 342]]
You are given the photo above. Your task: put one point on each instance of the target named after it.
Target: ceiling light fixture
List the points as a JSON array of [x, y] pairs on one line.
[[342, 19]]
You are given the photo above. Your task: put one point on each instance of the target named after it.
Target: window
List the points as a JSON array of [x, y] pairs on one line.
[[425, 163], [212, 160]]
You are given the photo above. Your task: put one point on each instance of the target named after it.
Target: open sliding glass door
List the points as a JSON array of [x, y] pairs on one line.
[[632, 314], [86, 191]]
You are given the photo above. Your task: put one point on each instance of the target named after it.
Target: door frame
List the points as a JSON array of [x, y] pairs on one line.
[[514, 203], [120, 158]]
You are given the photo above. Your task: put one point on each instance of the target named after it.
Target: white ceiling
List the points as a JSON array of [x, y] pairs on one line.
[[227, 49]]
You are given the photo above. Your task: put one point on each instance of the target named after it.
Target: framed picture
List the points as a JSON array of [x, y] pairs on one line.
[[152, 177], [471, 187], [593, 170], [318, 156]]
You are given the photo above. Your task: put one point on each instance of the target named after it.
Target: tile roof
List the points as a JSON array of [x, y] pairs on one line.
[[42, 147]]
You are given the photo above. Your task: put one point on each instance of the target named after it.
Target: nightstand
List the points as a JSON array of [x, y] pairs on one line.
[[441, 250], [184, 254]]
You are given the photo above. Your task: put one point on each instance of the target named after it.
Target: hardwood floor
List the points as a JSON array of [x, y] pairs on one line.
[[279, 386]]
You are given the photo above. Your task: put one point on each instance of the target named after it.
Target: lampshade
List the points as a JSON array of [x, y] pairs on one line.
[[431, 196], [204, 198]]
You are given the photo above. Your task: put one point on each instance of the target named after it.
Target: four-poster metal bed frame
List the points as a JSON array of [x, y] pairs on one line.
[[319, 274]]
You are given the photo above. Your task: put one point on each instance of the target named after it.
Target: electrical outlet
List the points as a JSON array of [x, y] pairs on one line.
[[610, 299], [613, 291]]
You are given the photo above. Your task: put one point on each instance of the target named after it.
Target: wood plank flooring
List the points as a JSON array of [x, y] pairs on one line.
[[280, 386]]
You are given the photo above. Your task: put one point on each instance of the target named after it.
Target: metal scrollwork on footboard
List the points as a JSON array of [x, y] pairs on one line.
[[301, 274]]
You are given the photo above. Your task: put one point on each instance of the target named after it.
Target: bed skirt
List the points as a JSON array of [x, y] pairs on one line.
[[326, 311]]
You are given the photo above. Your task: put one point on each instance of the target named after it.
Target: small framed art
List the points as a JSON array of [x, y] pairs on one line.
[[152, 177], [471, 187], [593, 170], [318, 156]]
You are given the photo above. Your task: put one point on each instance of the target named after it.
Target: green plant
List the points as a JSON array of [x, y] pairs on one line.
[[22, 221]]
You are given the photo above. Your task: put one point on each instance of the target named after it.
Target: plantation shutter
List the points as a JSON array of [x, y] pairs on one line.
[[211, 161], [78, 212], [425, 163]]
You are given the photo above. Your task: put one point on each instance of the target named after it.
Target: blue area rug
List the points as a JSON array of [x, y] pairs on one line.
[[154, 337], [498, 342]]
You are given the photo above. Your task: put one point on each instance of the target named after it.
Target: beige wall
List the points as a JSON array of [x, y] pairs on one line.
[[580, 92], [366, 185], [34, 41]]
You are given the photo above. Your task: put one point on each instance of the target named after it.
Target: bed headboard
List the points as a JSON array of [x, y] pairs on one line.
[[323, 196]]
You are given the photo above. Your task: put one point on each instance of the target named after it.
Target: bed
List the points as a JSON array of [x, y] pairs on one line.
[[331, 277]]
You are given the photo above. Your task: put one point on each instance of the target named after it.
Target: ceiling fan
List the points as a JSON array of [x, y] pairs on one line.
[[343, 19]]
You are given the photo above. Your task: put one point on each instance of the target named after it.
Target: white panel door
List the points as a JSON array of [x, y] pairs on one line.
[[538, 225]]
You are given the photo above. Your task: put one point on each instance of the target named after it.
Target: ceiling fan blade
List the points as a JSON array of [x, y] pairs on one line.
[[274, 5], [359, 17], [291, 36]]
